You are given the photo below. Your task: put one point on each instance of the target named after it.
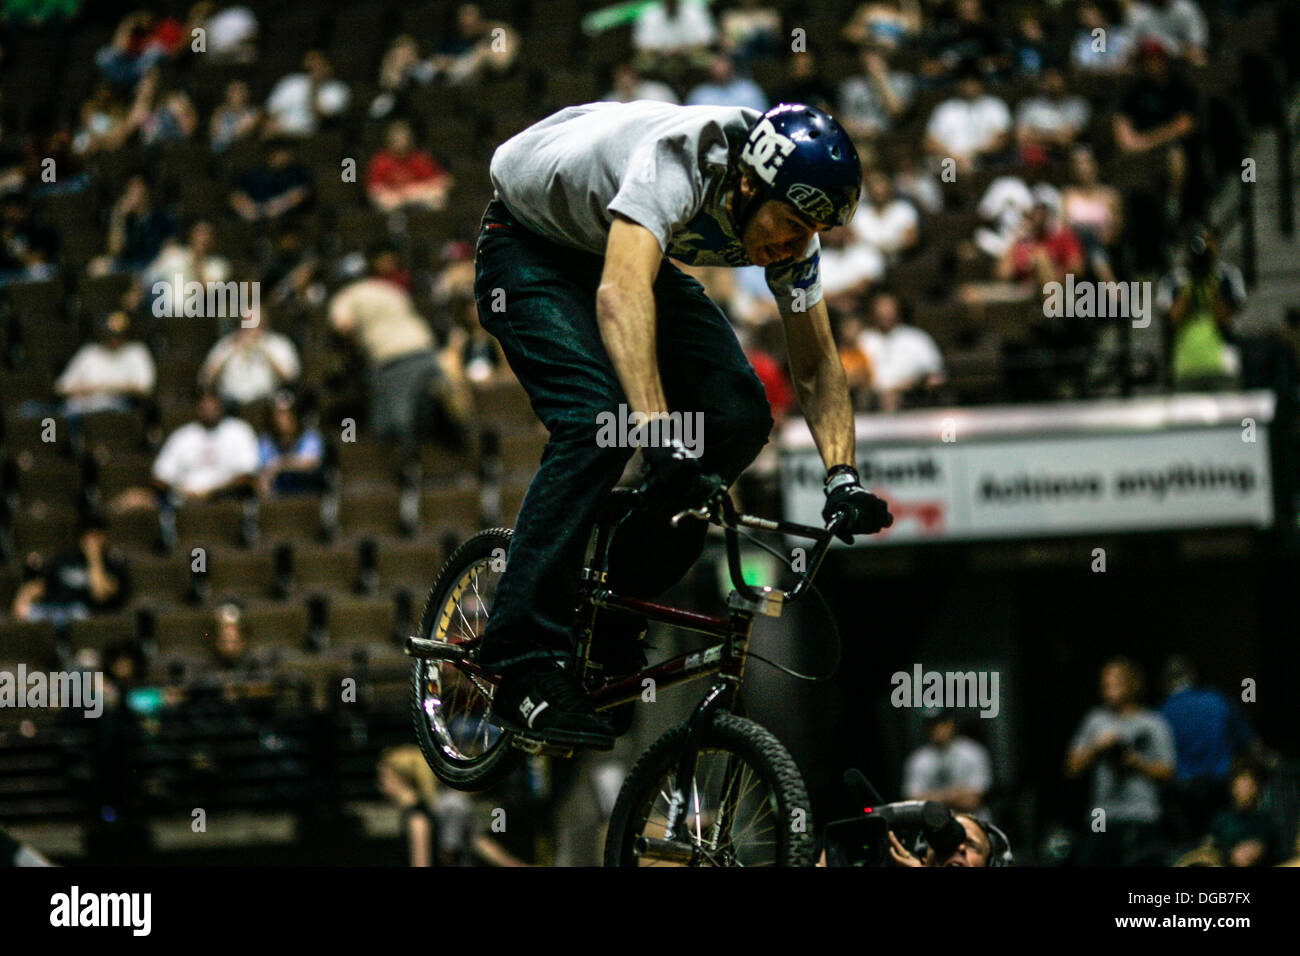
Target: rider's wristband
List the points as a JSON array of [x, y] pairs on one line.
[[839, 476]]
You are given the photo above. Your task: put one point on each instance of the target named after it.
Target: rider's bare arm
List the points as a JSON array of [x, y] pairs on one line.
[[820, 383], [625, 309]]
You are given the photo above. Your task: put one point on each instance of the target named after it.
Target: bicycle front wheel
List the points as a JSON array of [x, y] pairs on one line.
[[746, 804]]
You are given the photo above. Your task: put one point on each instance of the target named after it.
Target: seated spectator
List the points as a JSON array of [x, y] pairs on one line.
[[250, 364], [969, 41], [453, 291], [1094, 211], [886, 221], [385, 264], [630, 85], [181, 263], [885, 24], [274, 190], [214, 456], [291, 454], [299, 102], [1244, 833], [971, 128], [1201, 297], [1004, 206], [168, 119], [871, 102], [804, 83], [231, 32], [139, 43], [14, 161], [903, 358], [401, 175], [1046, 251], [137, 228], [409, 379], [1048, 124], [1177, 25], [86, 578], [235, 119], [105, 124], [290, 274], [1031, 53], [751, 31], [1129, 752], [229, 656], [401, 70], [28, 249], [114, 374], [1156, 117], [918, 185], [476, 47], [849, 266], [949, 767], [848, 329], [1102, 43], [674, 34], [724, 88]]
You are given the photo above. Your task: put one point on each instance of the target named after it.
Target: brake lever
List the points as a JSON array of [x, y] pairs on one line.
[[691, 513]]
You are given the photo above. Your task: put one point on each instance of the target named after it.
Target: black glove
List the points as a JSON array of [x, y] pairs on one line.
[[674, 476], [864, 512]]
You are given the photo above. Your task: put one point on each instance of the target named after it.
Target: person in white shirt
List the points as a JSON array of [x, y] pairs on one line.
[[231, 34], [109, 375], [630, 85], [849, 266], [674, 26], [902, 356], [1048, 124], [971, 126], [300, 100], [250, 363], [178, 264], [1179, 25], [212, 456], [886, 221], [1004, 206], [949, 768]]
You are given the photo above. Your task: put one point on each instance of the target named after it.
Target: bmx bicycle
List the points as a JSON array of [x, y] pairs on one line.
[[717, 790]]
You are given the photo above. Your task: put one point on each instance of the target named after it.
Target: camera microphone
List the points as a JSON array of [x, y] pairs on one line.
[[861, 789]]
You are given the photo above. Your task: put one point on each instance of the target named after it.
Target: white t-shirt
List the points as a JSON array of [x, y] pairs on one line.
[[290, 103], [248, 373], [843, 268], [1006, 202], [196, 459], [965, 127], [1045, 115], [902, 357], [230, 29], [112, 372], [655, 30], [885, 228], [963, 763]]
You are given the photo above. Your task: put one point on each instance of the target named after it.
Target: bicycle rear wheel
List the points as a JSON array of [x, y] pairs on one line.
[[745, 806], [450, 704]]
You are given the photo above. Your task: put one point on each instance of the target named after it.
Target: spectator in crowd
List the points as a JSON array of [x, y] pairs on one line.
[[885, 24], [229, 656], [85, 578], [1046, 251], [1200, 298], [630, 85], [405, 366], [235, 119], [113, 374], [291, 454], [1094, 210], [849, 266], [848, 328], [300, 102], [28, 249], [401, 70], [477, 47], [106, 124], [917, 184], [751, 31], [291, 275], [949, 767], [886, 221], [1005, 205], [1102, 43], [724, 88], [1031, 53], [179, 264], [871, 102], [385, 264], [406, 780], [1209, 733], [274, 190], [1177, 25], [250, 363], [139, 43], [972, 128], [212, 457], [453, 293], [166, 119], [14, 161], [1130, 753], [1244, 833], [672, 34], [401, 175], [230, 33], [1048, 124], [805, 83], [968, 42], [904, 359], [1155, 118], [137, 228]]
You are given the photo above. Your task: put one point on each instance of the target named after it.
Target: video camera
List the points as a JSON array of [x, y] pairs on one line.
[[864, 840]]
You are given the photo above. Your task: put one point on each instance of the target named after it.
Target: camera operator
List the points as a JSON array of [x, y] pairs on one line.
[[976, 849], [1201, 298]]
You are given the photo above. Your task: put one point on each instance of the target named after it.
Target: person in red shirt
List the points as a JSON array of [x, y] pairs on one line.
[[1045, 252], [401, 175]]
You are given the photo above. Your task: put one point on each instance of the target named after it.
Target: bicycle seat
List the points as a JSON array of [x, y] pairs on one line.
[[617, 504]]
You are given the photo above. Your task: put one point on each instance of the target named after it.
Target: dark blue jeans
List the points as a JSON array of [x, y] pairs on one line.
[[539, 300]]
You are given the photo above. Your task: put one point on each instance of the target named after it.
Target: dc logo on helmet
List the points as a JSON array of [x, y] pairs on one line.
[[766, 150], [811, 201]]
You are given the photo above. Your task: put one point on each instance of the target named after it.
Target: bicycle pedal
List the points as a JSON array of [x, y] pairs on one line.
[[542, 748]]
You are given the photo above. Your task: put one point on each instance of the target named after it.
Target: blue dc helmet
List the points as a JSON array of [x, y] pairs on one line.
[[801, 156]]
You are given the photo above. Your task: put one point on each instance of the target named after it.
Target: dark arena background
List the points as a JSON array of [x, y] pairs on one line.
[[1074, 478]]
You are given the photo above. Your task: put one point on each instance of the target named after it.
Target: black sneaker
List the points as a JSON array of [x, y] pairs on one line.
[[547, 702]]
